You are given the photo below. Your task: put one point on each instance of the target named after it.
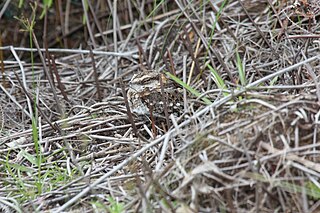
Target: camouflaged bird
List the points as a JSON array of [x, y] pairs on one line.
[[144, 94]]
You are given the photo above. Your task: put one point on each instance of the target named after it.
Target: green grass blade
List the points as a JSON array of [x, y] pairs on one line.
[[190, 89], [217, 79], [115, 206], [223, 5], [29, 157], [155, 8], [241, 70], [17, 166]]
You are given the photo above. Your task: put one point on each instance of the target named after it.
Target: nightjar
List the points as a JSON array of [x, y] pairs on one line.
[[144, 95]]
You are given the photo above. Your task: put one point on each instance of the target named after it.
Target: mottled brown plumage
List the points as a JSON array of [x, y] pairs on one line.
[[145, 94]]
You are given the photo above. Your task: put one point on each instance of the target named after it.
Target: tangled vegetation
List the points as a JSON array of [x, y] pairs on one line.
[[246, 137]]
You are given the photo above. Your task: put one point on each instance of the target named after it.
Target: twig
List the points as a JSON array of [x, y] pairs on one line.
[[85, 11], [96, 76], [73, 51], [47, 74], [130, 117], [56, 73], [30, 98]]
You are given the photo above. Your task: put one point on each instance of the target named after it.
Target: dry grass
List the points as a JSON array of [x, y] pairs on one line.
[[253, 149]]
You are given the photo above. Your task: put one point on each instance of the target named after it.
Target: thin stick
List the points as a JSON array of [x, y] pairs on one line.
[[73, 51], [61, 87], [47, 74], [96, 77], [88, 25], [30, 98], [130, 117]]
